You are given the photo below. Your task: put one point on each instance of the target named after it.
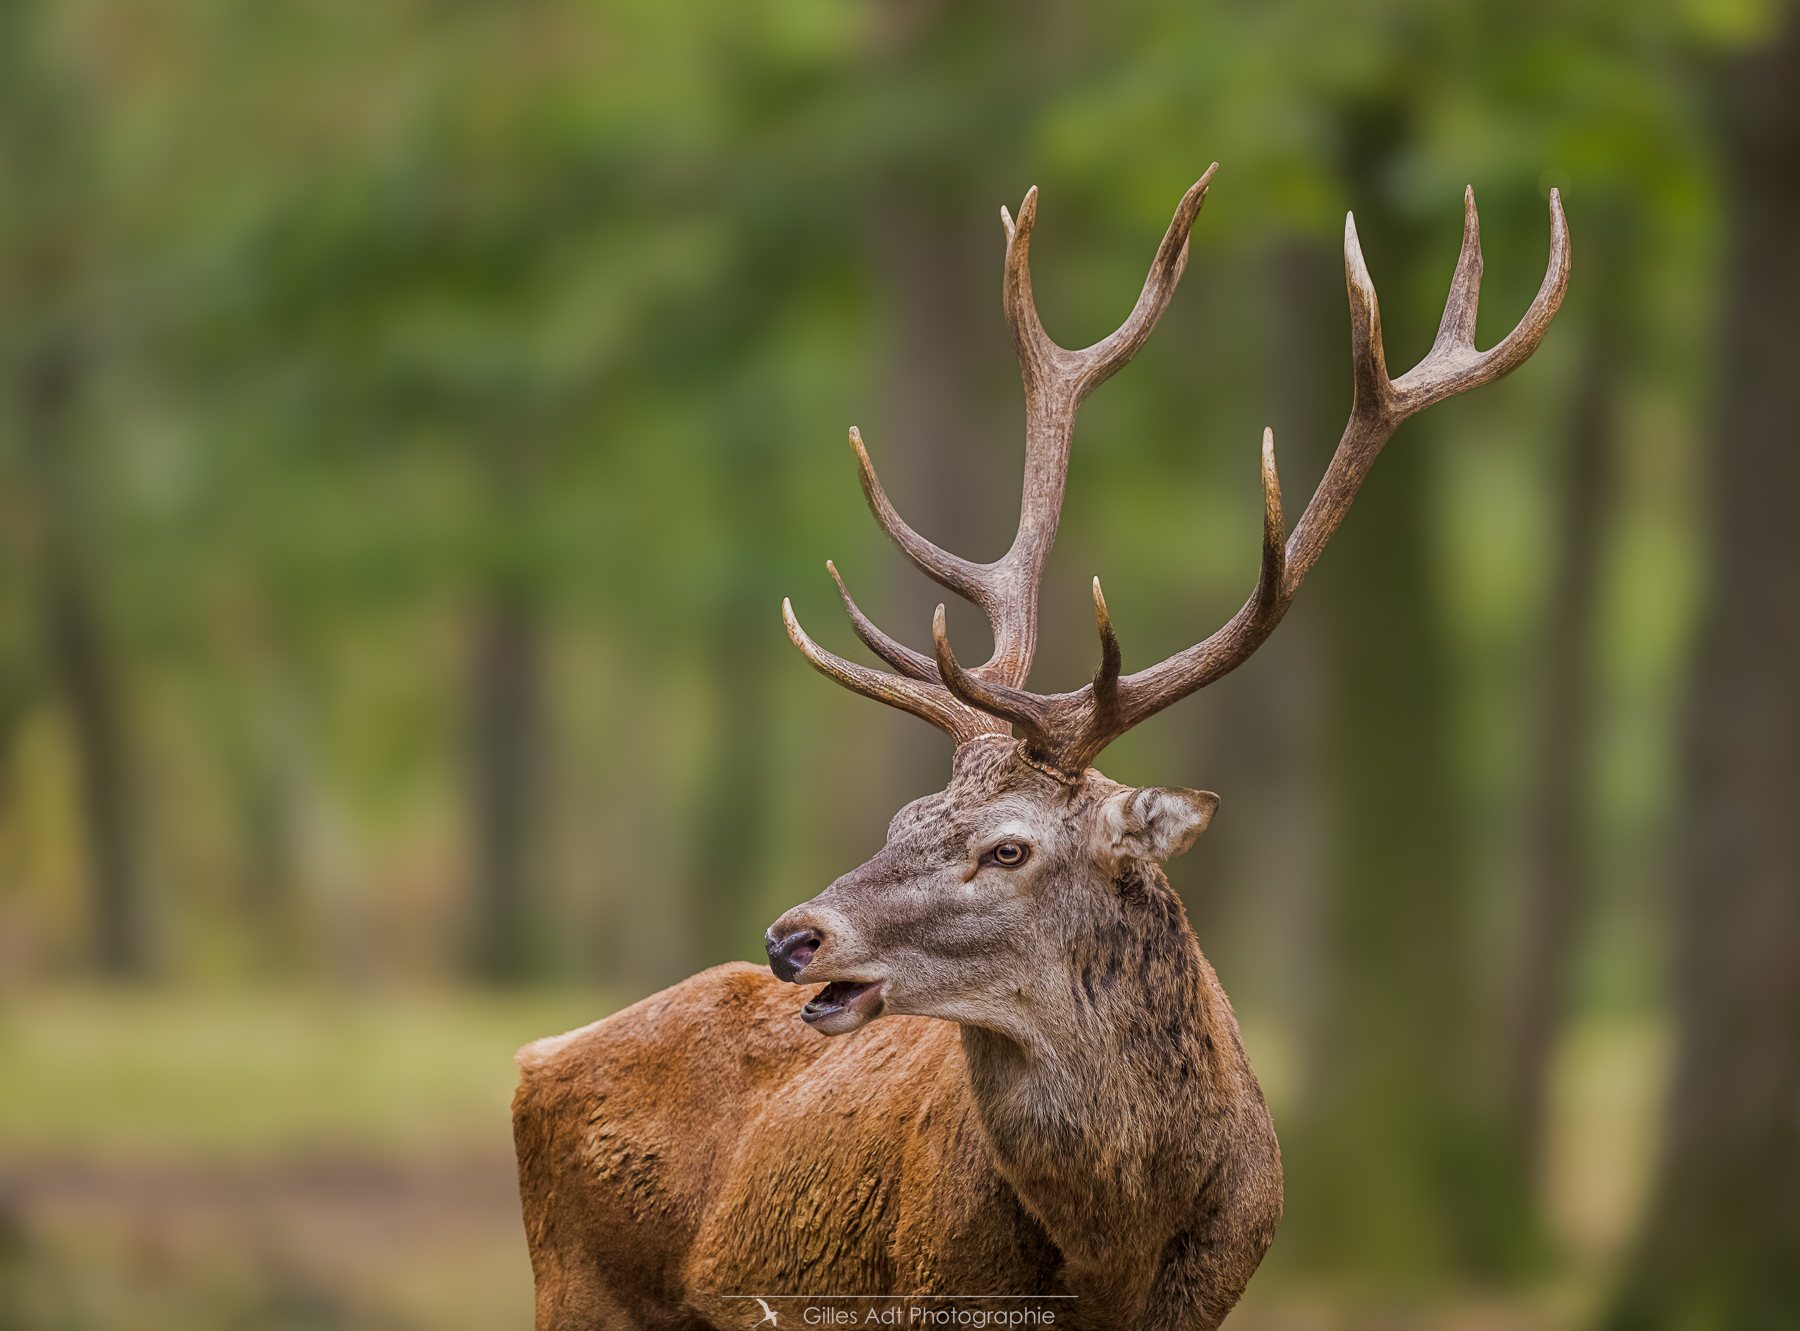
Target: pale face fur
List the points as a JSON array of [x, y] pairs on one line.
[[938, 924]]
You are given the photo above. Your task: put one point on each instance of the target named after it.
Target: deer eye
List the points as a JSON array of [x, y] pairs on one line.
[[1010, 854]]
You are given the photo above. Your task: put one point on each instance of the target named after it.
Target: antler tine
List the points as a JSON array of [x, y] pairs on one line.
[[1368, 357], [1036, 350], [1106, 675], [929, 702], [1036, 716], [897, 654], [958, 574], [1458, 326], [1274, 558], [1116, 705]]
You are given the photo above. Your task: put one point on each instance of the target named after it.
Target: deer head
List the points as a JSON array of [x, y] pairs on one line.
[[988, 894]]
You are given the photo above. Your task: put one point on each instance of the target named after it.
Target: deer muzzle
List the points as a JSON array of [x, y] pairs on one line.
[[789, 953]]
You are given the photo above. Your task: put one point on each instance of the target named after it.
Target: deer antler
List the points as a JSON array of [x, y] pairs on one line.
[[1065, 732], [1056, 380]]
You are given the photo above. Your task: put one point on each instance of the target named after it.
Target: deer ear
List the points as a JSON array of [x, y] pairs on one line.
[[1155, 823]]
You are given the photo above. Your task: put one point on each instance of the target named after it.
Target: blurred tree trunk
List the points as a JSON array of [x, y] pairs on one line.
[[937, 272], [506, 780], [1721, 1247], [80, 658], [943, 462], [263, 763], [733, 832], [1394, 1172], [743, 647], [943, 454], [45, 180], [1558, 891]]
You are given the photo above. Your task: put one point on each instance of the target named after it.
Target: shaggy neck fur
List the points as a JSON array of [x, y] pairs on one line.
[[1103, 1115]]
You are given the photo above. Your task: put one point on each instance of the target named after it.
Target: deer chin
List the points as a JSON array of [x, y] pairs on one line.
[[844, 1005]]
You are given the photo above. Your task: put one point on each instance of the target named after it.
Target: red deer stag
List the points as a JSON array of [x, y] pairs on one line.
[[1058, 1102]]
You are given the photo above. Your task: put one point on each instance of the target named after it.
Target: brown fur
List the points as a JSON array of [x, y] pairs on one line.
[[1100, 1134]]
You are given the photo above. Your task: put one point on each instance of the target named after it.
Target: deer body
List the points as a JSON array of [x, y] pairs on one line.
[[1029, 1081], [1110, 1143]]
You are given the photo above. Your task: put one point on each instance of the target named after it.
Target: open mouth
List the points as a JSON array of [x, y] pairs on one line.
[[843, 1005]]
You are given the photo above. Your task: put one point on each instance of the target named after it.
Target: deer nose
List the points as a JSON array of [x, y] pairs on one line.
[[788, 956]]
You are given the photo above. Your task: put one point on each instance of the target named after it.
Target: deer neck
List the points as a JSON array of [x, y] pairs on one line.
[[1096, 1105]]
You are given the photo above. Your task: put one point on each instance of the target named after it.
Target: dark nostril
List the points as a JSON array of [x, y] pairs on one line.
[[788, 956]]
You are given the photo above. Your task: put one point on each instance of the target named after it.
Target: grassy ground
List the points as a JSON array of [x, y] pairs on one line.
[[192, 1162], [293, 1160]]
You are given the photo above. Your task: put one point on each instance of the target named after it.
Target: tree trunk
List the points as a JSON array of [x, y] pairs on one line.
[[45, 160], [736, 808], [1394, 1170], [1721, 1247], [1558, 890], [950, 438], [81, 662], [948, 462], [506, 780]]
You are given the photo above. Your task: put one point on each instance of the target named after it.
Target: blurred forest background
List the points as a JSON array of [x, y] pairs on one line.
[[412, 415]]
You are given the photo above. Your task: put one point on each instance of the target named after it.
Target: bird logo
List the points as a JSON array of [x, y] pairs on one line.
[[768, 1315]]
